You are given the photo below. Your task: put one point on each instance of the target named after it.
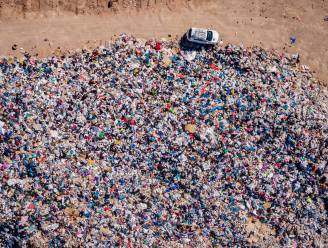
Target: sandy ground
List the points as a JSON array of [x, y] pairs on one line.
[[269, 24]]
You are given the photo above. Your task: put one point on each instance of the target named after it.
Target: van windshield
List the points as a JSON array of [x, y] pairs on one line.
[[209, 35]]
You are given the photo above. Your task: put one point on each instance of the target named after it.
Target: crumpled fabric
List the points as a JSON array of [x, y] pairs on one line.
[[133, 145]]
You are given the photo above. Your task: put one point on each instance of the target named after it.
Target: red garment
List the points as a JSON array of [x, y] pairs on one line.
[[124, 119], [158, 46], [214, 67], [132, 122]]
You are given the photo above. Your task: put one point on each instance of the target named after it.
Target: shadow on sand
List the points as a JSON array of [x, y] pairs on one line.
[[186, 45]]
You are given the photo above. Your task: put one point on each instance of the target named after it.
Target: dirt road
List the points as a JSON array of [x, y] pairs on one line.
[[269, 24]]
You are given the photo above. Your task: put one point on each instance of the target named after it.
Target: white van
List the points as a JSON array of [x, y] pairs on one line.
[[202, 36]]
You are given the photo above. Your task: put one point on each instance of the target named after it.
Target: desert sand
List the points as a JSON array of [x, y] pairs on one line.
[[41, 27]]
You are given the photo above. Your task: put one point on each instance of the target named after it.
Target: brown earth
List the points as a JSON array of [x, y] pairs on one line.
[[41, 26]]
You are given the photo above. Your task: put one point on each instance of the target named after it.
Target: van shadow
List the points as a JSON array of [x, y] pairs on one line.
[[186, 45]]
